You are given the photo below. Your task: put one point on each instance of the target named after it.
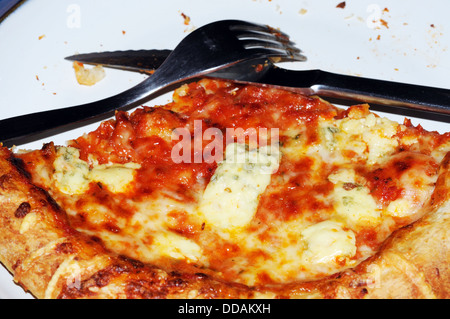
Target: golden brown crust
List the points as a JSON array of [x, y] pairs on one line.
[[51, 260], [40, 246], [414, 261]]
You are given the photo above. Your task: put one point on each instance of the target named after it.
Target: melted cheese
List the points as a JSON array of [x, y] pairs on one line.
[[369, 138], [356, 206], [353, 201], [176, 246], [230, 200], [375, 132], [266, 215], [73, 175], [328, 242], [29, 221], [115, 176]]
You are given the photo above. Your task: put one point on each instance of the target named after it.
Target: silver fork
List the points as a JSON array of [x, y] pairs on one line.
[[210, 48]]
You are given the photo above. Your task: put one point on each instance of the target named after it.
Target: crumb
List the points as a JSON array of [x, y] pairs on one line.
[[378, 37], [37, 77], [41, 37], [341, 5], [259, 68], [279, 9], [432, 25], [349, 17], [384, 23], [88, 76], [186, 18], [302, 11], [123, 32]]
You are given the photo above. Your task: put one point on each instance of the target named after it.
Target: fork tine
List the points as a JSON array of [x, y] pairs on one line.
[[283, 54], [266, 38], [274, 41], [285, 48], [253, 43], [252, 27]]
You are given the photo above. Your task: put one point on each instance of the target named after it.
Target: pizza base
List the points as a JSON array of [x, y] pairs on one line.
[[51, 260]]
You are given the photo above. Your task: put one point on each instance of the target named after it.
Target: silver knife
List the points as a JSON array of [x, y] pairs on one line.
[[393, 97]]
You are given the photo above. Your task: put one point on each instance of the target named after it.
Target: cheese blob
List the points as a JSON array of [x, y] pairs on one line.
[[73, 175], [231, 198]]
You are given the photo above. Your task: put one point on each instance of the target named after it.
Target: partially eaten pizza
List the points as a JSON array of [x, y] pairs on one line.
[[232, 191]]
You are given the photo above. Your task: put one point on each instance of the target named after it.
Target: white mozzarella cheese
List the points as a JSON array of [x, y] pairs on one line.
[[231, 198]]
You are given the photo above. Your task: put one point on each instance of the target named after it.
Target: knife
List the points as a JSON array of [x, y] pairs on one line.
[[132, 60], [406, 99]]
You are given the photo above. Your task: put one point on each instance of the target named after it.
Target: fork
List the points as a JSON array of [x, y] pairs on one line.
[[210, 48]]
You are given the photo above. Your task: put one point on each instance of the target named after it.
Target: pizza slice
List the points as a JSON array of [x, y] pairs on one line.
[[231, 191]]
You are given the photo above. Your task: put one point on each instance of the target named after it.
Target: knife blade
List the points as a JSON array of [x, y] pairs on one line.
[[133, 60], [392, 97]]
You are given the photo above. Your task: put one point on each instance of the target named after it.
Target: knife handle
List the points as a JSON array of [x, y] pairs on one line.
[[386, 93]]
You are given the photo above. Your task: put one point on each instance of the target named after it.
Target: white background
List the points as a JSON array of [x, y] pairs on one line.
[[403, 40]]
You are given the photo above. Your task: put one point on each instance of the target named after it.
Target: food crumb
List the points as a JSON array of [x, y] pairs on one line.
[[186, 18], [41, 37], [341, 5], [86, 76], [123, 32], [303, 11], [384, 23]]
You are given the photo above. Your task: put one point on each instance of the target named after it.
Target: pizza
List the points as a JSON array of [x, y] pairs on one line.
[[232, 191]]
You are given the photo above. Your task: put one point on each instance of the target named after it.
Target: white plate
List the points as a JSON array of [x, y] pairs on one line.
[[392, 40]]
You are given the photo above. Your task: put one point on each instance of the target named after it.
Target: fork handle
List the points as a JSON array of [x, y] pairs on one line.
[[30, 127], [421, 101]]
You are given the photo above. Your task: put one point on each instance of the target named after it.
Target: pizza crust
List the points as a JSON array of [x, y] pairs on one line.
[[51, 260], [413, 262]]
